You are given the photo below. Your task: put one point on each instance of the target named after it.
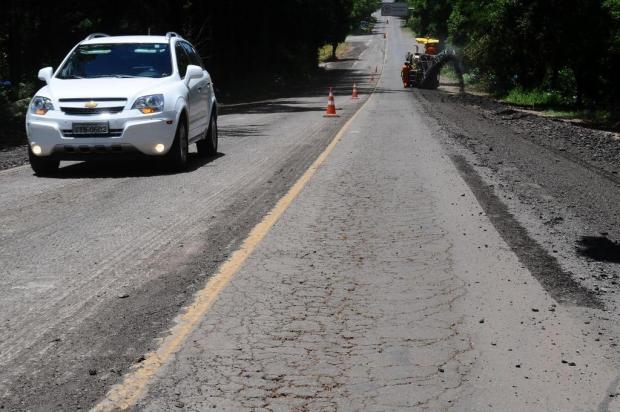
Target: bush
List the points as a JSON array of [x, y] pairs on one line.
[[538, 98], [5, 108], [12, 117]]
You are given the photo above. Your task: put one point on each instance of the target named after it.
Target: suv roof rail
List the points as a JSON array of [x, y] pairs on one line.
[[95, 35], [173, 34]]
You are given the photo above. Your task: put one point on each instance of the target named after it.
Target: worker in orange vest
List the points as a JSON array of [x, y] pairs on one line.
[[405, 72]]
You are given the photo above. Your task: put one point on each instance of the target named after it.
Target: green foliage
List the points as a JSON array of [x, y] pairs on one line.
[[569, 46], [430, 17], [12, 118], [362, 9], [612, 60], [336, 22], [270, 36], [5, 108], [536, 98]]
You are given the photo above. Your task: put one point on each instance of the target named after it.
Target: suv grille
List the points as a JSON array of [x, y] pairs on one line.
[[113, 133], [87, 111], [96, 99]]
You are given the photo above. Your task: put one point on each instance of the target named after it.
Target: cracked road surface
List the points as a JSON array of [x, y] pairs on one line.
[[384, 285]]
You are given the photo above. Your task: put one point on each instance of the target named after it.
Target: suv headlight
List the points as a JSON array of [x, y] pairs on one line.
[[153, 103], [40, 105]]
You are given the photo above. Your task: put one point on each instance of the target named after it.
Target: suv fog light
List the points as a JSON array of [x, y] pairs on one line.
[[36, 149], [159, 148]]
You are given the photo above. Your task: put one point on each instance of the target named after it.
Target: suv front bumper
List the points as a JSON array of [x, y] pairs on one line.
[[129, 131]]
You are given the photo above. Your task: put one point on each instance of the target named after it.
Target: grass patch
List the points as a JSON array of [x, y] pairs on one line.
[[602, 118], [537, 98], [548, 103], [565, 114], [557, 105], [325, 52]]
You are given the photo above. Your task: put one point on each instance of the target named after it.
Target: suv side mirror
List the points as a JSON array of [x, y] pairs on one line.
[[45, 74], [192, 72]]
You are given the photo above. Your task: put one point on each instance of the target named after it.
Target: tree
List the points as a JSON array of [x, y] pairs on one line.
[[569, 45], [335, 21], [363, 9]]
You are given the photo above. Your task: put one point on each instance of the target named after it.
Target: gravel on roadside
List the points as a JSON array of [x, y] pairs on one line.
[[598, 148], [550, 184], [13, 156]]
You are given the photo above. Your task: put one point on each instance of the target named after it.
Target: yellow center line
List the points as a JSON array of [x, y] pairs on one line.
[[124, 395]]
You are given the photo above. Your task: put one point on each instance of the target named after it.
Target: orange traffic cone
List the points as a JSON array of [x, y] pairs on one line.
[[331, 106], [354, 94]]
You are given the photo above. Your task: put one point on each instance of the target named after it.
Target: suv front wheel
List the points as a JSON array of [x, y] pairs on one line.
[[208, 146], [176, 158], [42, 165]]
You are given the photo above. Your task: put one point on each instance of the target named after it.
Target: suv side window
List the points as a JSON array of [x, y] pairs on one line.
[[194, 58], [182, 59]]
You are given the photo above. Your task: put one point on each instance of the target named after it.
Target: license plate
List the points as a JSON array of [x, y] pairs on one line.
[[90, 128]]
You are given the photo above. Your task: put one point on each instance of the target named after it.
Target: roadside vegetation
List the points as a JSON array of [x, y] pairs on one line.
[[326, 53], [561, 56], [247, 43]]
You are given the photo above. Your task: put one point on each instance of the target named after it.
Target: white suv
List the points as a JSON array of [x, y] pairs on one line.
[[146, 95]]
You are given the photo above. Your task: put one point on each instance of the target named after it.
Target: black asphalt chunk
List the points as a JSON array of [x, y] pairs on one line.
[[599, 248]]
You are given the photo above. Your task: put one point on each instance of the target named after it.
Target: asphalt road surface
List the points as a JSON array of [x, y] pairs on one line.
[[385, 259]]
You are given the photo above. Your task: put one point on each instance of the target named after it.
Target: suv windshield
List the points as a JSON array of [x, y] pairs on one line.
[[118, 60]]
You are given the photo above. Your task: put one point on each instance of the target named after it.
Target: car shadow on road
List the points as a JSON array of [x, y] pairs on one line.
[[227, 132], [273, 106], [123, 168], [383, 90], [288, 97], [342, 60]]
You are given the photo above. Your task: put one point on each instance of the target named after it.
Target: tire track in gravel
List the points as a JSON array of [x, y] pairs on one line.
[[544, 267], [527, 170]]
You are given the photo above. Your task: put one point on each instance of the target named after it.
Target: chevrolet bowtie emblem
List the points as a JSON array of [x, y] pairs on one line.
[[90, 105]]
